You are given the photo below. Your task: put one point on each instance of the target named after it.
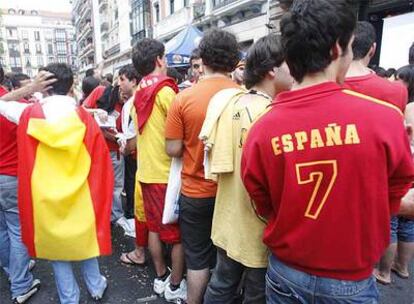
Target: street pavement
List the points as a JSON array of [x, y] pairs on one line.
[[131, 284]]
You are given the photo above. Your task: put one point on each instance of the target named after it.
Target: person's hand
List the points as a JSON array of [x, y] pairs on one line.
[[102, 115], [42, 82], [407, 205], [122, 141]]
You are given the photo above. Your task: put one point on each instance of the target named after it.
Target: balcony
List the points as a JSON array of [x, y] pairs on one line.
[[103, 5], [173, 23], [87, 29], [87, 50], [104, 23], [115, 49], [232, 6]]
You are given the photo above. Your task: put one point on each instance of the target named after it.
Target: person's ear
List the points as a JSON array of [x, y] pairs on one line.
[[336, 51], [372, 50]]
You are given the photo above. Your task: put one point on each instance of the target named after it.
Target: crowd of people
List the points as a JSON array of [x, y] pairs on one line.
[[294, 167]]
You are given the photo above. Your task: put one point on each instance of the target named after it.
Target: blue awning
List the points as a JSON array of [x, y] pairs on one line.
[[178, 49]]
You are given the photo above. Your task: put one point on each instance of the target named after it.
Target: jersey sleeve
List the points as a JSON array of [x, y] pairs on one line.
[[253, 173], [165, 98], [174, 128]]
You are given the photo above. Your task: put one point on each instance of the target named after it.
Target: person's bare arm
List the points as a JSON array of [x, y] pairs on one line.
[[407, 205], [41, 83]]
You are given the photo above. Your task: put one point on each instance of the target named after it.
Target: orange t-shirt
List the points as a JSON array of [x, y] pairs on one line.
[[184, 121]]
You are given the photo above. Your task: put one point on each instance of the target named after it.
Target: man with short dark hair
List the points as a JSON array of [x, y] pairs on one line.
[[65, 185], [153, 98], [237, 230], [14, 258], [362, 79], [326, 167], [219, 52]]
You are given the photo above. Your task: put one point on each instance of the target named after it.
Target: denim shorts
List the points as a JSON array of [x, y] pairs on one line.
[[402, 230]]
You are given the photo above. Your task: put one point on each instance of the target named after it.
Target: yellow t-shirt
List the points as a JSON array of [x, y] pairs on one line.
[[153, 162], [236, 227]]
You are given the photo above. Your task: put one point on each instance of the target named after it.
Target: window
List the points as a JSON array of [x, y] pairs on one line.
[[12, 33], [13, 48], [27, 61], [37, 35], [2, 62], [157, 12], [26, 48], [50, 49], [15, 62], [61, 47], [50, 59], [172, 7], [62, 59], [60, 35], [38, 48], [40, 61], [186, 3], [25, 34]]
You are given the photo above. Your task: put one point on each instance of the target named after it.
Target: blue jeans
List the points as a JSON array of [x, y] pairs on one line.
[[118, 165], [67, 287], [402, 230], [13, 254], [286, 285]]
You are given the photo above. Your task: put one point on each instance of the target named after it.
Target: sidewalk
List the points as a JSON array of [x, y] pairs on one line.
[[129, 284]]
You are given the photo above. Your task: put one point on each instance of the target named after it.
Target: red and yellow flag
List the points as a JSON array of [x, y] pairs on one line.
[[65, 186]]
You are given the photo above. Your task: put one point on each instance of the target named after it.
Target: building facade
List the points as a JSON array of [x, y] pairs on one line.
[[31, 39], [85, 16]]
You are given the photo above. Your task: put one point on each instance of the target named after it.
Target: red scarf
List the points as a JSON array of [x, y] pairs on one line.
[[145, 97]]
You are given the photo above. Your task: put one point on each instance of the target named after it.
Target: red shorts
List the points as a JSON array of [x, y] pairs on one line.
[[154, 198]]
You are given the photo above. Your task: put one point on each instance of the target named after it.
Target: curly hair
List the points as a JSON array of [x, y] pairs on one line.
[[261, 58], [309, 31], [406, 74], [145, 53], [219, 51]]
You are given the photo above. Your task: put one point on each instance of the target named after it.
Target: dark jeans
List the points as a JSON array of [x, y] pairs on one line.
[[227, 277], [129, 185], [285, 285]]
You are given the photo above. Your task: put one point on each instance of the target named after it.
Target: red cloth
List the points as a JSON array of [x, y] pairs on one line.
[[8, 143], [100, 179], [153, 196], [91, 101], [141, 232], [363, 182], [373, 85], [145, 96]]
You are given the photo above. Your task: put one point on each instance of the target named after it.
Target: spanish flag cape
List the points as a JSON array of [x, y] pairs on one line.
[[144, 99], [65, 186]]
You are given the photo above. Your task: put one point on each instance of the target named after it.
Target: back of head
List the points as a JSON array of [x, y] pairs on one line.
[[219, 51], [17, 78], [261, 58], [129, 72], [174, 74], [365, 37], [411, 54], [311, 29], [406, 74], [109, 77], [64, 75], [89, 72], [381, 72], [145, 53], [88, 85]]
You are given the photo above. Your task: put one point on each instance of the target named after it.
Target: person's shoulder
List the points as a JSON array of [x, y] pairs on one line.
[[367, 102], [166, 93]]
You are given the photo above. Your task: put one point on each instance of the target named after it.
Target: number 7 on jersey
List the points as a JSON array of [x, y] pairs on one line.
[[321, 175]]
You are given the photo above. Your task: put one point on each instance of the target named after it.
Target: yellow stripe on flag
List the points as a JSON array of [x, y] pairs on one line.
[[64, 218]]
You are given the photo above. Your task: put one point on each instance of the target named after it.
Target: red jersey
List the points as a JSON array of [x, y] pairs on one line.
[[375, 86], [327, 167], [91, 102], [8, 144]]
